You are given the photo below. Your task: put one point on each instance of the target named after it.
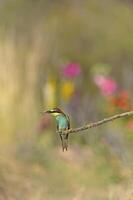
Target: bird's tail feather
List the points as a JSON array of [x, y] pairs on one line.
[[64, 141]]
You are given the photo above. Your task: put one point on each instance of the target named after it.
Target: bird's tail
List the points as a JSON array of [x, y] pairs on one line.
[[64, 141]]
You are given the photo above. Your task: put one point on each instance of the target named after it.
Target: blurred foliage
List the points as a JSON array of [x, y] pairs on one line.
[[76, 55]]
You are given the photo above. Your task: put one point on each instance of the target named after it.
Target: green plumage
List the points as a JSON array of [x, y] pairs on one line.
[[63, 123]]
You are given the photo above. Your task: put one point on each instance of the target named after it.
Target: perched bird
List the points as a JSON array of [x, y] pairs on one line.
[[63, 123]]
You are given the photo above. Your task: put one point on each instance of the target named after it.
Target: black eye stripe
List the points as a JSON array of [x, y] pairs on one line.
[[53, 111]]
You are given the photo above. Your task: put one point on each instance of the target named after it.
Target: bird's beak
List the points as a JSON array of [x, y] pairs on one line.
[[47, 111]]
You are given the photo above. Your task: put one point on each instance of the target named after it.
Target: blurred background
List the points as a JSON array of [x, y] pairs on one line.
[[76, 55]]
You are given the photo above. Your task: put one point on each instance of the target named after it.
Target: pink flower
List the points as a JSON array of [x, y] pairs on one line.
[[72, 70], [106, 84]]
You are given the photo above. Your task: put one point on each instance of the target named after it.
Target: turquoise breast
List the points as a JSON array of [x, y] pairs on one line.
[[62, 122]]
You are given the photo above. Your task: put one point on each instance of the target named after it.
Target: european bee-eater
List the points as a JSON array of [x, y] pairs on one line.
[[63, 123]]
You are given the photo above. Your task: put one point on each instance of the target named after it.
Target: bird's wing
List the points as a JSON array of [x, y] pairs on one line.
[[57, 126], [68, 119]]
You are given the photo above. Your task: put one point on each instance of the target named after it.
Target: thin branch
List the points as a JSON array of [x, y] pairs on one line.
[[98, 123]]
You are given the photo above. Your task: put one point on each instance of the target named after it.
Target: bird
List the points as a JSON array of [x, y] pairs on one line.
[[63, 123]]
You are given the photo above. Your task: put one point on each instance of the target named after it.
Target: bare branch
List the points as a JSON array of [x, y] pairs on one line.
[[98, 123]]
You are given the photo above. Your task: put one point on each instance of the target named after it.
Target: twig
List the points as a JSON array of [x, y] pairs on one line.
[[98, 123]]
